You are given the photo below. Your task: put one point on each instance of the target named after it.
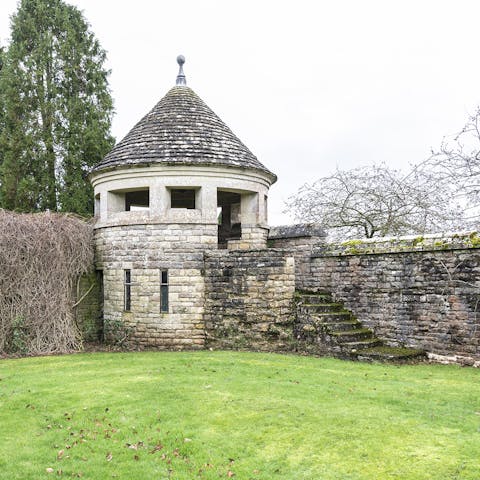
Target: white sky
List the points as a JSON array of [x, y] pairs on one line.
[[307, 85]]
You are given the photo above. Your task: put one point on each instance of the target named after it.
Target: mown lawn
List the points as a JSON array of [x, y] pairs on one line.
[[236, 415]]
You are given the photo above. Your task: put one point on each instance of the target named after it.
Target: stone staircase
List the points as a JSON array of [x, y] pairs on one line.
[[327, 328]]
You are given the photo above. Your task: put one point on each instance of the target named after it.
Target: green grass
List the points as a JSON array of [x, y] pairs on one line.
[[236, 415]]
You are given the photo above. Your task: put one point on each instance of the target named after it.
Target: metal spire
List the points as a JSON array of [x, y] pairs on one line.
[[181, 80]]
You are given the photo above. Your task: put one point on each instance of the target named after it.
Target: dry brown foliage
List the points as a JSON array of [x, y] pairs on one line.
[[42, 255]]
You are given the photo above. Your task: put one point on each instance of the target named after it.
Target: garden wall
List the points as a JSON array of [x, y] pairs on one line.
[[248, 299], [421, 292], [299, 241]]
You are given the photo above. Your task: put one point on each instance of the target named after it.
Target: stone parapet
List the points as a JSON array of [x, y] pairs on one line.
[[299, 241], [301, 230], [411, 243]]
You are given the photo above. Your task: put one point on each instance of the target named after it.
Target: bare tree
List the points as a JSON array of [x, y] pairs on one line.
[[375, 201], [455, 167]]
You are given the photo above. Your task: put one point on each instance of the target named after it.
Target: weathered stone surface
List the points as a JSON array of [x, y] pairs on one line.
[[410, 243], [327, 328], [248, 299], [300, 241], [418, 295], [307, 230], [146, 250]]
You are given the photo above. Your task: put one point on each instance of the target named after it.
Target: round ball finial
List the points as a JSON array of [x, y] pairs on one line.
[[181, 80]]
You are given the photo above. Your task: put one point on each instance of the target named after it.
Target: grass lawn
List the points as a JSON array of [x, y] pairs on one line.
[[213, 415]]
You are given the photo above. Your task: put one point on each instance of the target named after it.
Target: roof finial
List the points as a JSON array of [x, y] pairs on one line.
[[181, 80]]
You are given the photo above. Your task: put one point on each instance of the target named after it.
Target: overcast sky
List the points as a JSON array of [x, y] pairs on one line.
[[308, 86]]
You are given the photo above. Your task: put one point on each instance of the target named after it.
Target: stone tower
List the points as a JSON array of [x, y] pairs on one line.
[[178, 184]]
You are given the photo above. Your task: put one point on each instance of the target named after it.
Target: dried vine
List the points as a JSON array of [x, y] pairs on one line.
[[41, 257]]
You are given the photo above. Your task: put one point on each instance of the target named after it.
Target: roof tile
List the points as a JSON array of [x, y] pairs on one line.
[[181, 129]]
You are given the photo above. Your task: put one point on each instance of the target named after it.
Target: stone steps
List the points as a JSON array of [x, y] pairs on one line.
[[323, 307], [392, 354], [349, 336], [325, 326], [331, 317], [314, 298], [356, 346], [343, 325]]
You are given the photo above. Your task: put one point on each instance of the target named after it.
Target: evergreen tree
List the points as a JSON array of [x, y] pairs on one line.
[[57, 109], [2, 115]]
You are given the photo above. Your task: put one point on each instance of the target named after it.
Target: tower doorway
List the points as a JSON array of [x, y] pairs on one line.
[[229, 220]]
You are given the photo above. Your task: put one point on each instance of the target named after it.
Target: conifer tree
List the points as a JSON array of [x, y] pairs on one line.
[[2, 116], [57, 109]]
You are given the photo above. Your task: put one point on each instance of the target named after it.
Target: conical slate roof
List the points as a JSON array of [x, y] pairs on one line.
[[181, 130]]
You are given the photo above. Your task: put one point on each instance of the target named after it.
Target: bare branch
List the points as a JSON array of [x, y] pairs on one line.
[[42, 255], [376, 200]]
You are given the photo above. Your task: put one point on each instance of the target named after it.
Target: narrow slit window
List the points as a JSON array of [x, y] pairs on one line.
[[127, 290], [164, 291], [97, 205]]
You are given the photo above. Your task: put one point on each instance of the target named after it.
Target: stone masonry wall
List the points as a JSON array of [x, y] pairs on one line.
[[248, 299], [252, 238], [146, 250], [415, 291], [300, 241]]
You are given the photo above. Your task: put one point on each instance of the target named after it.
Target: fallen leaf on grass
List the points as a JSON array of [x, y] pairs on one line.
[[109, 456], [156, 448], [60, 454], [230, 474], [49, 470], [135, 446]]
